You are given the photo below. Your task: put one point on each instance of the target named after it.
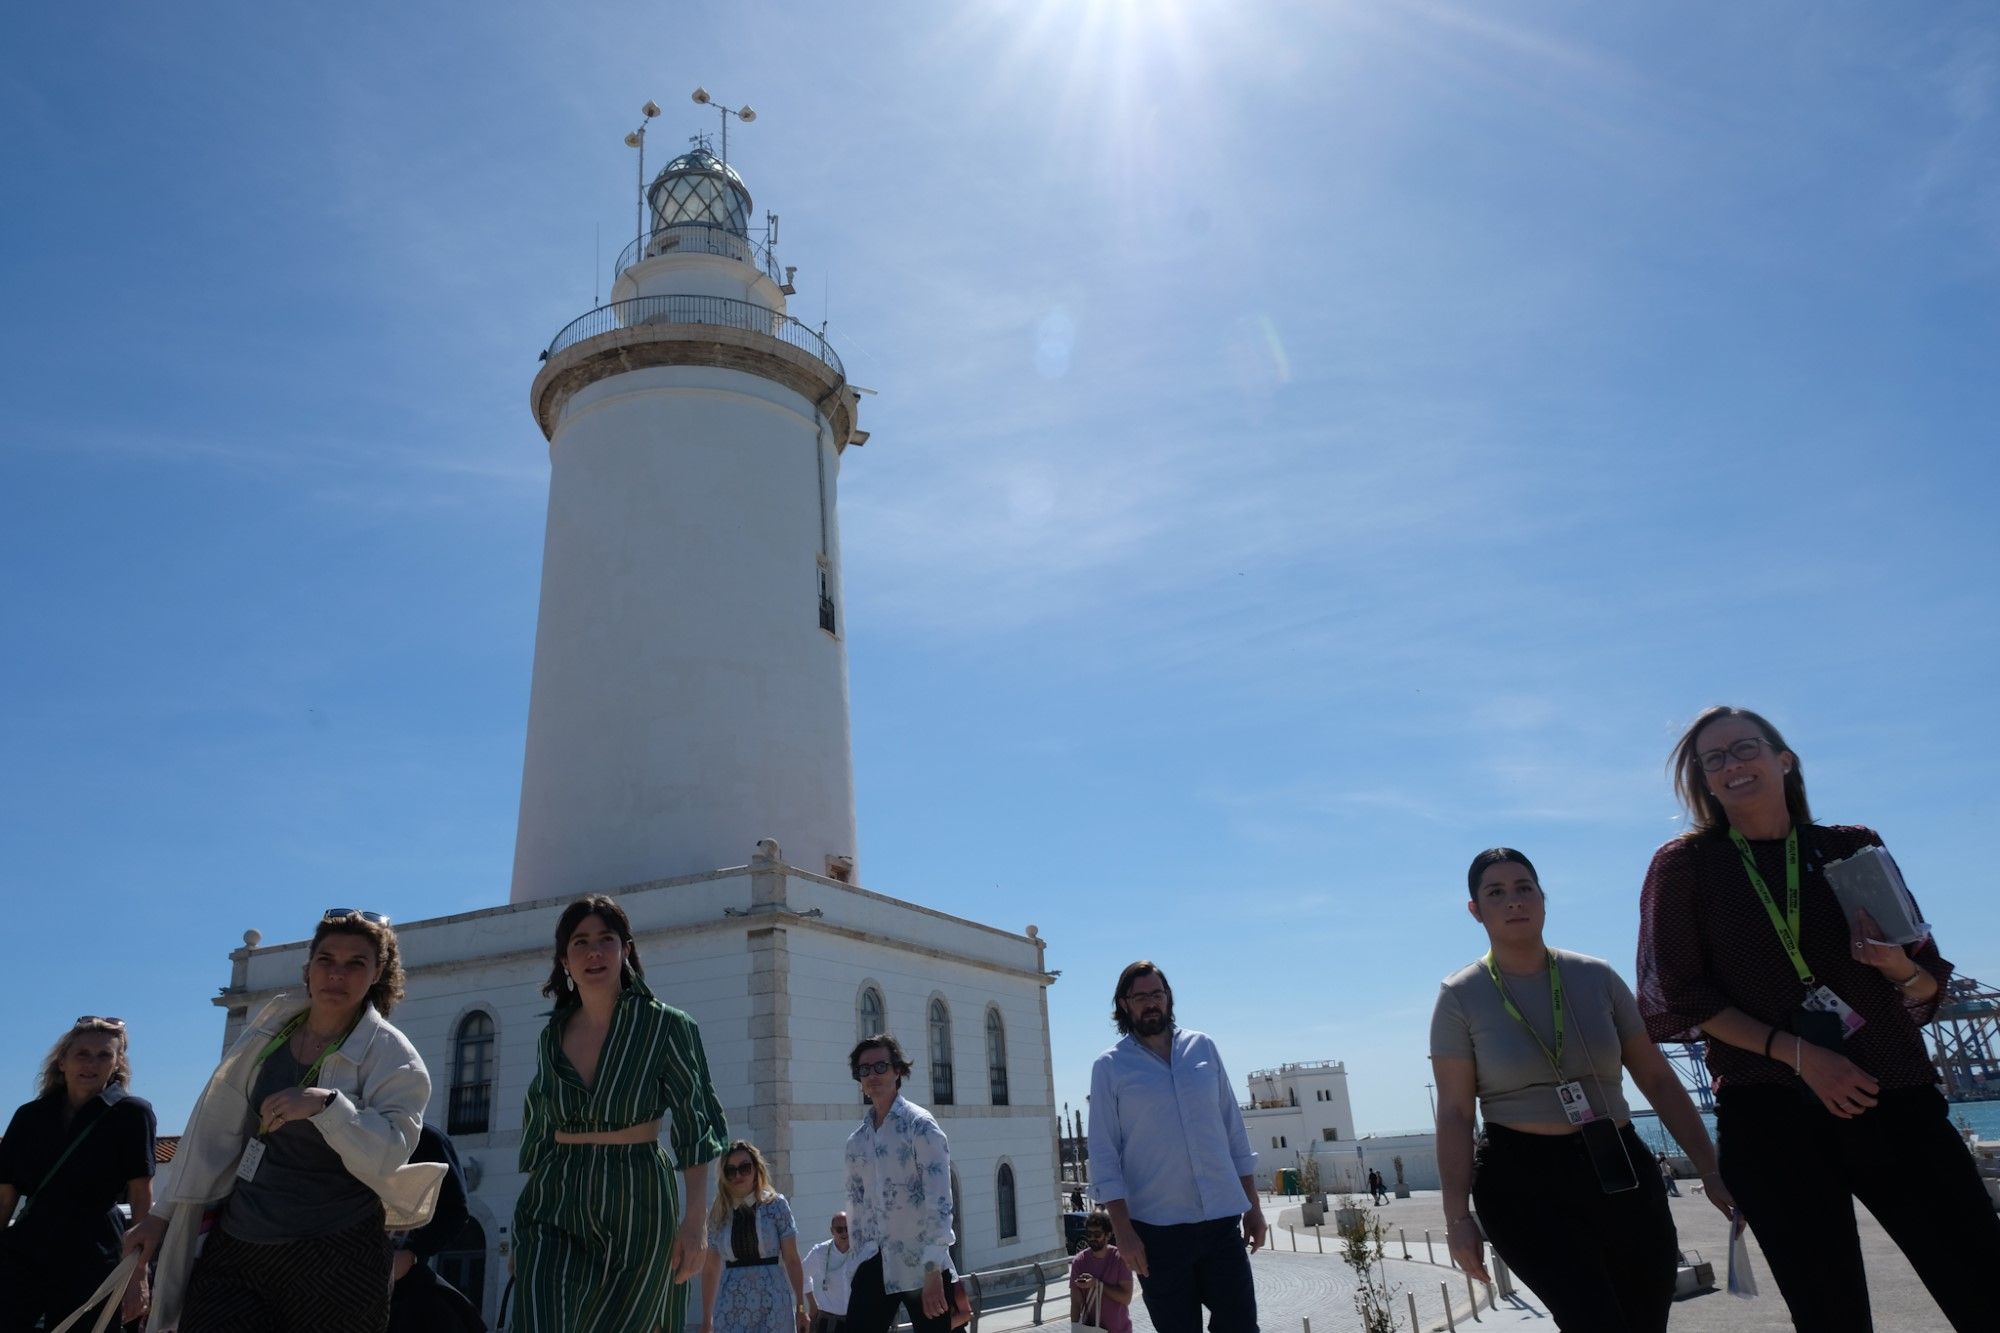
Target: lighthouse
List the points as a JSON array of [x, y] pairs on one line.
[[690, 676], [688, 751]]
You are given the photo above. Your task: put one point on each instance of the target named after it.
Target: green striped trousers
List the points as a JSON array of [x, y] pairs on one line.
[[593, 1237]]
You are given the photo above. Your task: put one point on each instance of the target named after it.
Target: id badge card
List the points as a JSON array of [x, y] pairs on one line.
[[1821, 999], [1575, 1105], [253, 1155]]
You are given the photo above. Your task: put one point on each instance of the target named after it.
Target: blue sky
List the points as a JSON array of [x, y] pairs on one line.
[[1314, 442]]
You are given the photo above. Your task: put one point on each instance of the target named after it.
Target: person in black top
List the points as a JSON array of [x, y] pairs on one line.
[[71, 1153], [1825, 1092], [421, 1301]]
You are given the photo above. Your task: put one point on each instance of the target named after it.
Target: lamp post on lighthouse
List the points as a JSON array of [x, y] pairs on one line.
[[690, 678]]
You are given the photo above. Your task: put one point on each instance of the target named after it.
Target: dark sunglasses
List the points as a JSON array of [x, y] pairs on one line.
[[873, 1067], [105, 1019], [350, 913], [740, 1169]]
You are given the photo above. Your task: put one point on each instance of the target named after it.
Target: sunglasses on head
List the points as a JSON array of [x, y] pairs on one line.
[[350, 914], [104, 1019]]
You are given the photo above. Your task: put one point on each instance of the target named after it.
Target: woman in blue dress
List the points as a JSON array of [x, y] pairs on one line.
[[754, 1282]]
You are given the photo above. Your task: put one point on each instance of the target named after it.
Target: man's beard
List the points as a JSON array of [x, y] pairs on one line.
[[1150, 1025]]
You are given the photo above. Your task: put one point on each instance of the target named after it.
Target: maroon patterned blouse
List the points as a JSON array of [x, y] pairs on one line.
[[1706, 943]]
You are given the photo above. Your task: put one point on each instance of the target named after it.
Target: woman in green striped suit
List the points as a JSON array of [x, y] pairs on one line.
[[594, 1252]]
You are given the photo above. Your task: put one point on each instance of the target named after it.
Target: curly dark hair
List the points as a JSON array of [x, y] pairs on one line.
[[387, 991], [559, 987], [897, 1059]]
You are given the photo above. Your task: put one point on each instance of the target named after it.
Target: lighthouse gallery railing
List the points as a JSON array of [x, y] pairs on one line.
[[724, 311]]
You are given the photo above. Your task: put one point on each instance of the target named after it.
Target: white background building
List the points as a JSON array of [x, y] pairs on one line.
[[783, 970], [1300, 1111]]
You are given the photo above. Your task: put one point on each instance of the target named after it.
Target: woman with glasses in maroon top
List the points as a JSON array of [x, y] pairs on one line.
[[1825, 1093]]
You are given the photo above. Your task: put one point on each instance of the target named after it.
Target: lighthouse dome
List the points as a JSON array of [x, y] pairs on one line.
[[699, 187]]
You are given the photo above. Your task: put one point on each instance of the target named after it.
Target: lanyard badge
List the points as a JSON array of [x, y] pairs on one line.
[[1819, 999], [1575, 1104]]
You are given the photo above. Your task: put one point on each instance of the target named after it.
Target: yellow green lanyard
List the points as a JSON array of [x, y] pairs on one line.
[[285, 1035], [1787, 925], [1555, 1057]]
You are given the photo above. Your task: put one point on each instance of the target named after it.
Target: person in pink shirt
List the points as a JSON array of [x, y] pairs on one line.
[[1097, 1276]]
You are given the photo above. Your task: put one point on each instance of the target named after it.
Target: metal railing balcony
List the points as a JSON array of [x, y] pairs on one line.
[[471, 1109], [721, 311], [701, 238]]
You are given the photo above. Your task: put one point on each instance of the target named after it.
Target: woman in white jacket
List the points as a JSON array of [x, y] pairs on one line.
[[300, 1148]]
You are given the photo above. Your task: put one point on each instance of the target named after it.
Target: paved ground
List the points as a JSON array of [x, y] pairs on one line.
[[1901, 1305], [1294, 1286]]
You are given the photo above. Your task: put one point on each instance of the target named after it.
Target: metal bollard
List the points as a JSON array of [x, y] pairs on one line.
[[1295, 1239], [1308, 1324], [1320, 1240], [1472, 1294], [1411, 1296], [1403, 1238], [1502, 1275], [1444, 1294], [1430, 1255]]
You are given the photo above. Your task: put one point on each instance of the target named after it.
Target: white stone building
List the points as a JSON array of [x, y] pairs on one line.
[[1300, 1112], [689, 714]]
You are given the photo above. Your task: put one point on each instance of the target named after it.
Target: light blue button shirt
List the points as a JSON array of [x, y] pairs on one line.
[[1167, 1136]]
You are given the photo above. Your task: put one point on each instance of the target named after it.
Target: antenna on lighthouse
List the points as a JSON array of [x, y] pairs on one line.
[[742, 113], [637, 139]]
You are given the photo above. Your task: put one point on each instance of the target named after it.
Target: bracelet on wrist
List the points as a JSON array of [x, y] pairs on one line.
[[1769, 1037]]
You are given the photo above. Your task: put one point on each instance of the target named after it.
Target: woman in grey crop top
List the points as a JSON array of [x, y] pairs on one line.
[[1540, 1039]]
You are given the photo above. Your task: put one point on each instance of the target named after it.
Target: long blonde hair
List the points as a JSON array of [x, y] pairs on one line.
[[52, 1080], [725, 1202]]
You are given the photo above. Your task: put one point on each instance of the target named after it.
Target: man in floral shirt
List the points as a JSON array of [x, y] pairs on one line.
[[898, 1200]]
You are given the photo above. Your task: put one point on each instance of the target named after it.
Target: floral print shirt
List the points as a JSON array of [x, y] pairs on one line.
[[899, 1194]]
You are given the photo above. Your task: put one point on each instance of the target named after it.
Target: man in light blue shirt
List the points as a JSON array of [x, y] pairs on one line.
[[1172, 1163]]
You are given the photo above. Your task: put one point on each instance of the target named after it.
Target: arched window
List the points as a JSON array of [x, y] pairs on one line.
[[996, 1056], [940, 1054], [868, 1014], [471, 1107], [1004, 1190]]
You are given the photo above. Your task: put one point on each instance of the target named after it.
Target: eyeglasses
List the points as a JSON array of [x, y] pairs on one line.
[[105, 1019], [350, 913], [873, 1067], [1714, 761], [740, 1169], [1141, 996]]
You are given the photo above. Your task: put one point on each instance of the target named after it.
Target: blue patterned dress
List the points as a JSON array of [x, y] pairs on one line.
[[757, 1299]]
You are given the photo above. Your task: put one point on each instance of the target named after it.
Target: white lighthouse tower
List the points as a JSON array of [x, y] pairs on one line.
[[690, 680]]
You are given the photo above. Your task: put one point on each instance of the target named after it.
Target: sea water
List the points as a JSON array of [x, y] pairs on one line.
[[1983, 1117]]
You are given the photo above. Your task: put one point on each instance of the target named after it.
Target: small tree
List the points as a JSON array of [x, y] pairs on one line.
[[1309, 1175], [1363, 1237]]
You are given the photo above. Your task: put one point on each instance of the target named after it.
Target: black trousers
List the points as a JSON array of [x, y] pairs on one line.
[[40, 1285], [871, 1309], [1598, 1261], [1796, 1169], [1194, 1265]]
